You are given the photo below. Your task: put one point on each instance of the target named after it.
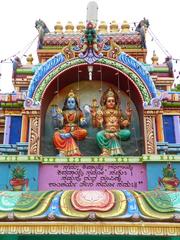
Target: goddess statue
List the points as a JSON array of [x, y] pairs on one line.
[[71, 117], [115, 123]]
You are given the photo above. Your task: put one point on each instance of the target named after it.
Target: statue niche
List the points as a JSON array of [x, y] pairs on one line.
[[96, 124]]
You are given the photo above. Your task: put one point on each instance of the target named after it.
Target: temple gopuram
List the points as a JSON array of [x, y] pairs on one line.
[[90, 137]]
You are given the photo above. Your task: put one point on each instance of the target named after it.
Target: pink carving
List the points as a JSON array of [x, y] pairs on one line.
[[93, 200]]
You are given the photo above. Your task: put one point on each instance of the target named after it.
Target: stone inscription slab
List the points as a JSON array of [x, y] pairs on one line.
[[92, 176]]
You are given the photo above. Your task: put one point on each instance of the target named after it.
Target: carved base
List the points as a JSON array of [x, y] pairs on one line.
[[101, 228]]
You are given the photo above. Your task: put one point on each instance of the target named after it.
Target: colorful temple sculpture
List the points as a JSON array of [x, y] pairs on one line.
[[90, 136]]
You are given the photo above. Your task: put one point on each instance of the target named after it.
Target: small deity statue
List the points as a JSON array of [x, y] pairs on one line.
[[71, 118], [90, 38], [115, 124], [16, 64]]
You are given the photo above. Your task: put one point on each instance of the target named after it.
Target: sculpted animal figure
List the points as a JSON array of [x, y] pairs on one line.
[[141, 28], [16, 64], [42, 29]]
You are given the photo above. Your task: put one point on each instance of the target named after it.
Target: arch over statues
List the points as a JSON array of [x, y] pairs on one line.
[[126, 65], [50, 71]]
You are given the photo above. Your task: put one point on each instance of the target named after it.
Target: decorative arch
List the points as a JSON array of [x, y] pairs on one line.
[[125, 64], [140, 70]]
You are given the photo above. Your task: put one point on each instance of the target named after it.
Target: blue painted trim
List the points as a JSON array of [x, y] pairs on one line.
[[54, 208], [140, 70], [43, 70], [132, 207], [173, 92]]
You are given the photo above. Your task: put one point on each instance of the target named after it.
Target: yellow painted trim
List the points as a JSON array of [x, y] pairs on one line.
[[44, 200], [93, 228], [67, 208], [87, 159]]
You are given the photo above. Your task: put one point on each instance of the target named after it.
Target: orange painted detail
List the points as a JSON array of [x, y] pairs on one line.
[[24, 128], [160, 134]]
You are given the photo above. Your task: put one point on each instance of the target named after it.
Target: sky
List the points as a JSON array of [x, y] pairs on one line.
[[17, 26]]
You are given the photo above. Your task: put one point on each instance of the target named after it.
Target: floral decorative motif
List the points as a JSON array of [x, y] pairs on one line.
[[169, 180], [57, 206], [93, 200], [18, 179]]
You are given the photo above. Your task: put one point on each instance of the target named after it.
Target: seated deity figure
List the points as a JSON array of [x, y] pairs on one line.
[[114, 123], [72, 121]]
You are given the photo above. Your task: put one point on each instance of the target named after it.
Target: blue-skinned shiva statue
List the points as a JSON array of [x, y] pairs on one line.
[[64, 139]]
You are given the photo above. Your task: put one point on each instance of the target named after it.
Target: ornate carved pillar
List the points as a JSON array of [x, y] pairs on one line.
[[150, 130], [34, 132]]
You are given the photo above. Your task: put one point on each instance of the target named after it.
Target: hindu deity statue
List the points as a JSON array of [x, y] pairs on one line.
[[72, 121], [114, 123], [90, 38]]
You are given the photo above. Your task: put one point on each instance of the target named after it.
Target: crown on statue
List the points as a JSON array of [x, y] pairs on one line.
[[110, 93], [71, 94]]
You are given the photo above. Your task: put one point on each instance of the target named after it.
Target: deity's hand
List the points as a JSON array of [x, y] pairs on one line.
[[107, 135], [83, 122], [128, 112], [125, 123], [110, 135], [87, 109], [93, 112], [65, 135]]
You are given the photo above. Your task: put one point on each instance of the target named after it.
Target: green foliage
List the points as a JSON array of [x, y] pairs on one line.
[[171, 104], [24, 71], [169, 172], [18, 172], [11, 104], [177, 88]]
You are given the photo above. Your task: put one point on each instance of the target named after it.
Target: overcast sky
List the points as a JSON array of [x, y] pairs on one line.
[[17, 20]]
